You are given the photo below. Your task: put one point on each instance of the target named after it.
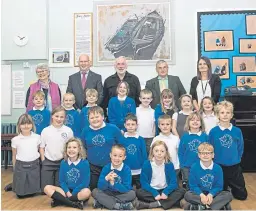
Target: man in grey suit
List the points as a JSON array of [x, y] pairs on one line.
[[164, 81], [85, 77]]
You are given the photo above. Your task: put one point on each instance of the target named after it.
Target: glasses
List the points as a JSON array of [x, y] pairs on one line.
[[205, 153], [41, 71]]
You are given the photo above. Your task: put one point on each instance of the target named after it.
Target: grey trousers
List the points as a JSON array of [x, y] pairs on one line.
[[108, 198], [184, 174], [219, 201], [50, 173]]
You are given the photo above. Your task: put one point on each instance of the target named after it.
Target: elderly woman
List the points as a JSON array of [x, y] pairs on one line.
[[205, 83], [50, 89]]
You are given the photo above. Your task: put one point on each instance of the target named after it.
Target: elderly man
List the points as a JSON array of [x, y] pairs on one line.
[[121, 74], [82, 80], [164, 81]]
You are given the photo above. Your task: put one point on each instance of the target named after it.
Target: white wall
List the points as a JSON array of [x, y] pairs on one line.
[[60, 28]]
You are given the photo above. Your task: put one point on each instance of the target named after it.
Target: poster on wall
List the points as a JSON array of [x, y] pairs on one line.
[[247, 45], [250, 24], [60, 57], [249, 80], [220, 67], [218, 41], [83, 41], [244, 64], [140, 31]]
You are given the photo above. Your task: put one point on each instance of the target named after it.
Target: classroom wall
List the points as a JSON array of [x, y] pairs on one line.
[[60, 35]]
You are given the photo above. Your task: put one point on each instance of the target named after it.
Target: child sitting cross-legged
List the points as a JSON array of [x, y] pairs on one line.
[[206, 183]]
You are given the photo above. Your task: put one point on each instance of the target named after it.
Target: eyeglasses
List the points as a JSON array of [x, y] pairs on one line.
[[41, 71], [205, 153]]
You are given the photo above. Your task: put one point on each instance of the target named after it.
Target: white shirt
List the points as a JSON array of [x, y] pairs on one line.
[[86, 74], [229, 128], [172, 143], [119, 168], [146, 122], [27, 147], [40, 109], [158, 180], [75, 163], [53, 141], [175, 115], [203, 89], [204, 167], [210, 121]]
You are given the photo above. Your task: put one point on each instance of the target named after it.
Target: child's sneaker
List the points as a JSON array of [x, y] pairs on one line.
[[127, 206]]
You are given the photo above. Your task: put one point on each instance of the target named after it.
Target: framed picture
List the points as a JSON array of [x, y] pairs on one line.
[[250, 24], [60, 57], [243, 64], [218, 41], [249, 80], [220, 67], [83, 36], [247, 45], [141, 31]]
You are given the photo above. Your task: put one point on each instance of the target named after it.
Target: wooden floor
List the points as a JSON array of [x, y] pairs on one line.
[[10, 202]]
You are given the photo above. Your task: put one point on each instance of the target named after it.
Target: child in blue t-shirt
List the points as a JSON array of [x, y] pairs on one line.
[[98, 139], [135, 146], [40, 115], [120, 106], [206, 183], [91, 96], [72, 119], [189, 143], [74, 177], [228, 145], [114, 187]]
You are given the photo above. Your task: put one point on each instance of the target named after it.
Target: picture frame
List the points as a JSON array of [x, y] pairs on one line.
[[244, 64], [218, 40], [142, 32], [247, 45], [60, 57], [249, 80], [250, 24], [83, 36], [220, 67]]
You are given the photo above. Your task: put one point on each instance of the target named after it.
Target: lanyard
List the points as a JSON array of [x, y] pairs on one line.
[[204, 88]]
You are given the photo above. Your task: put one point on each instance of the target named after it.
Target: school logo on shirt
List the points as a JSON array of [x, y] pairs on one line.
[[226, 141], [73, 175], [118, 179], [207, 181], [129, 106], [98, 140], [69, 120], [64, 135], [38, 119], [193, 145], [131, 149]]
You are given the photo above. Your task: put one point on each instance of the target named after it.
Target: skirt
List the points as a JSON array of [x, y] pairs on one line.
[[26, 177]]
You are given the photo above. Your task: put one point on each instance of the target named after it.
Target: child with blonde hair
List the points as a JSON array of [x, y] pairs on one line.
[[74, 177]]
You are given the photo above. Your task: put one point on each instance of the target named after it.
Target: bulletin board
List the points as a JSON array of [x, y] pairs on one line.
[[228, 38]]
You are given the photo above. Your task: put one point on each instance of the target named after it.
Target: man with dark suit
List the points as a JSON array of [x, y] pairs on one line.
[[82, 80], [164, 81]]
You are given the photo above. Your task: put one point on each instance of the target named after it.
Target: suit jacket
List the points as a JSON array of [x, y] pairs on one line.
[[93, 81], [174, 84]]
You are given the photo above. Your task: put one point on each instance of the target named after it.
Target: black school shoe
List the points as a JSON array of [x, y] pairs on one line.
[[139, 205], [55, 203], [8, 187], [78, 205]]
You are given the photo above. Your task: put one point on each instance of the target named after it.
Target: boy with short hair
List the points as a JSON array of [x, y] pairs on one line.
[[206, 183], [98, 139], [172, 141], [91, 96], [229, 146], [134, 144], [114, 187], [146, 118], [40, 115], [72, 119]]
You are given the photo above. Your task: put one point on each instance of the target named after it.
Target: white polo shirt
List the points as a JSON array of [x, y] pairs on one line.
[[53, 140]]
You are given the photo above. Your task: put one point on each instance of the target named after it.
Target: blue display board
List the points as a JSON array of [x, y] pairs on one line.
[[228, 38]]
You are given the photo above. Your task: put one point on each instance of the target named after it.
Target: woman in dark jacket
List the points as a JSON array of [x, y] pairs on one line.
[[205, 83]]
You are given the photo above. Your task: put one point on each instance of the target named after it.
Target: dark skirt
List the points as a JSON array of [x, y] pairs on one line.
[[26, 177]]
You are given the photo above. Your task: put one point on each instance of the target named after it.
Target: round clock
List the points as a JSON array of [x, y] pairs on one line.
[[21, 40]]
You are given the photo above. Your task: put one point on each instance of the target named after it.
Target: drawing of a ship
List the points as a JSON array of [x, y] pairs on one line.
[[138, 39]]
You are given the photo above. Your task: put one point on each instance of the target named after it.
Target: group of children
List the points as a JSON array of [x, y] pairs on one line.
[[139, 147]]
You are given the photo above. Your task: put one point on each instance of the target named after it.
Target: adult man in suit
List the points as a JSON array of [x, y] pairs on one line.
[[82, 80], [164, 81], [110, 84]]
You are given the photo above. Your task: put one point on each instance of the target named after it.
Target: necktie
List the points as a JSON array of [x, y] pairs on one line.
[[83, 80]]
